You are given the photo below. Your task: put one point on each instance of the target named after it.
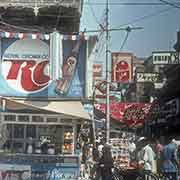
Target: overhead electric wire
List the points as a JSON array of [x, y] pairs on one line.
[[129, 23], [125, 40], [93, 3], [101, 41], [146, 17], [18, 27], [163, 2], [130, 3], [170, 4], [93, 13], [59, 14]]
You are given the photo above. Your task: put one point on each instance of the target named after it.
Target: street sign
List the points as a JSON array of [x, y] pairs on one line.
[[147, 77], [166, 58], [158, 85]]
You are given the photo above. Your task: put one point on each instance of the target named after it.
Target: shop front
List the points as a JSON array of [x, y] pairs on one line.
[[42, 82], [40, 144]]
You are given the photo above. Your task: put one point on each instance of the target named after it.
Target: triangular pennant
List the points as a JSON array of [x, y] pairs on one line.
[[7, 34], [34, 36], [21, 35], [46, 36]]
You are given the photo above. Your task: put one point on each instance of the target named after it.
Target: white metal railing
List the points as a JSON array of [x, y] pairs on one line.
[[46, 119], [36, 4]]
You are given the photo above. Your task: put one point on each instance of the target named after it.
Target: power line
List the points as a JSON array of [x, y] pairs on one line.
[[130, 3], [135, 20], [146, 17], [128, 30], [171, 4], [115, 29], [93, 13], [59, 14], [18, 27], [125, 40], [100, 44], [101, 25], [163, 2]]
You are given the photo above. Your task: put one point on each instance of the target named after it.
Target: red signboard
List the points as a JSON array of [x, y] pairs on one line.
[[122, 67], [102, 85], [132, 114]]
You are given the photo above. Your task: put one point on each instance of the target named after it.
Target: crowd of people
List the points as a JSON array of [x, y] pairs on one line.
[[158, 158], [147, 155]]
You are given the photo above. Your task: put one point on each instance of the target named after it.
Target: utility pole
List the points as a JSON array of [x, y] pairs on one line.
[[107, 75], [107, 30]]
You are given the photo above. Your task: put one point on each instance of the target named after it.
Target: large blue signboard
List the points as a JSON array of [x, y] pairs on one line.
[[39, 167], [25, 66]]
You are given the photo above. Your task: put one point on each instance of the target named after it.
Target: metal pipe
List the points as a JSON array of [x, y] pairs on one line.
[[107, 75]]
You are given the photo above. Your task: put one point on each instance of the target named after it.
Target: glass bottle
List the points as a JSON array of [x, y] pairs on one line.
[[68, 70]]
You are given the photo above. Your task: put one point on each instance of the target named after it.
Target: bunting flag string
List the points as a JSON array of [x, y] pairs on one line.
[[39, 36]]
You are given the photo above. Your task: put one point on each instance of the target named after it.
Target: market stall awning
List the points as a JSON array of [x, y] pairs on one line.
[[70, 109], [132, 114], [100, 115]]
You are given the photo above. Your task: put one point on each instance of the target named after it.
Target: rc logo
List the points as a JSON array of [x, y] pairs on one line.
[[25, 65]]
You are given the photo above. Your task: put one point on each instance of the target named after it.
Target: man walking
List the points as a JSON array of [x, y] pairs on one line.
[[170, 163], [146, 157]]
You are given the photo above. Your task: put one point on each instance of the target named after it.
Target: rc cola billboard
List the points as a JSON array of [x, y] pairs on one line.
[[25, 68]]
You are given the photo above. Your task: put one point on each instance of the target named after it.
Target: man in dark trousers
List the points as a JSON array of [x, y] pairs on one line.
[[95, 171], [106, 163], [170, 163]]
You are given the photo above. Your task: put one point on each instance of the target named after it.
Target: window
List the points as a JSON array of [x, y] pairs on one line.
[[23, 118], [10, 130], [18, 147], [37, 119], [52, 119], [19, 131], [9, 118], [31, 131]]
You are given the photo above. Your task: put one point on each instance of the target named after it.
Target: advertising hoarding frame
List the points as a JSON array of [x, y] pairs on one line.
[[47, 95], [126, 72]]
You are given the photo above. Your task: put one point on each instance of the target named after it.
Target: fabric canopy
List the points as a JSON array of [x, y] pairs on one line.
[[133, 114], [70, 109]]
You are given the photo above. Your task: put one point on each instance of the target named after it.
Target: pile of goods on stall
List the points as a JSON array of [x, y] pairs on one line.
[[120, 152]]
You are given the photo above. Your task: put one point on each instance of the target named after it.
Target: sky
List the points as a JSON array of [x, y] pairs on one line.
[[160, 24]]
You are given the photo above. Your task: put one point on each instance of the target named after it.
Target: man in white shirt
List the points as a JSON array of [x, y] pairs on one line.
[[132, 146], [147, 156]]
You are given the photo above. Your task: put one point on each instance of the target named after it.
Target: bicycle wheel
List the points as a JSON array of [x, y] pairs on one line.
[[117, 177], [152, 176], [139, 178], [147, 176]]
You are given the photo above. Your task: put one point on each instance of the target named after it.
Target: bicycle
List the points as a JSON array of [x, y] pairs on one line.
[[147, 176], [116, 174], [164, 176]]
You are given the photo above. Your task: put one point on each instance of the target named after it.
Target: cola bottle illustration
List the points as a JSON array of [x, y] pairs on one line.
[[68, 70]]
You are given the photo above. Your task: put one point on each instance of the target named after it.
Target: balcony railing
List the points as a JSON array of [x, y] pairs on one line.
[[42, 3]]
